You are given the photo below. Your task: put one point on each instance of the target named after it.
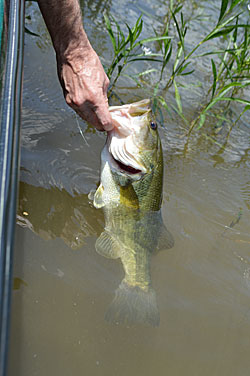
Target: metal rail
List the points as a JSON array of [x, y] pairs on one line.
[[9, 164]]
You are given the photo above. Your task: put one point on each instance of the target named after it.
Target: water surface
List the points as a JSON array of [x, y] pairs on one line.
[[63, 287]]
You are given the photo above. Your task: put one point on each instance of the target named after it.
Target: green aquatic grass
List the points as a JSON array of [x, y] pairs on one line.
[[229, 66], [128, 48]]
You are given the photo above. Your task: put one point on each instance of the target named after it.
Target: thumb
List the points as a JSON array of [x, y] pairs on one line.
[[104, 117]]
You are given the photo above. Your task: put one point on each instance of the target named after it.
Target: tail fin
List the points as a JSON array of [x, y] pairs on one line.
[[132, 305]]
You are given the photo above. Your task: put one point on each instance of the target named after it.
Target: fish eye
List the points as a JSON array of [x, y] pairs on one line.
[[153, 125]]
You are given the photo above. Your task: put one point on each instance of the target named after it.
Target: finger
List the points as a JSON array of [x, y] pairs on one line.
[[99, 117], [104, 117], [90, 117]]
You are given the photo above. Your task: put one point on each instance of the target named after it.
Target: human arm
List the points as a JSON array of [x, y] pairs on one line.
[[80, 71]]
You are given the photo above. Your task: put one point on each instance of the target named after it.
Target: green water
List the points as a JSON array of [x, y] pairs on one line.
[[63, 287]]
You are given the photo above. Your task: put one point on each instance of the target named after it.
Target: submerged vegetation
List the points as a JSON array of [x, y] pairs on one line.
[[230, 64]]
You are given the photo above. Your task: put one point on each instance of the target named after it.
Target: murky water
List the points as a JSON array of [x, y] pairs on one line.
[[62, 287]]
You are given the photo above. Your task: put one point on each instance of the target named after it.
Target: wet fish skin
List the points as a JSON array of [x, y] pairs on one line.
[[130, 194]]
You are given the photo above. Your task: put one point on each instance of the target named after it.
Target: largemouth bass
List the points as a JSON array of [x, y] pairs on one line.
[[130, 194]]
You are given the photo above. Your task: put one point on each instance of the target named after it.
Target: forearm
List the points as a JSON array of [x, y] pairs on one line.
[[80, 71], [64, 22]]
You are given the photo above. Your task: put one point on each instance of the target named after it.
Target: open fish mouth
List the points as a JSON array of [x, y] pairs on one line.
[[125, 141], [126, 168], [123, 159]]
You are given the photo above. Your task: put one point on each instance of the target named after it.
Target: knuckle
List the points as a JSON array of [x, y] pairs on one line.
[[77, 101]]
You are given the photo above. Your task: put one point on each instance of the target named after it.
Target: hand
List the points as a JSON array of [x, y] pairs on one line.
[[85, 86]]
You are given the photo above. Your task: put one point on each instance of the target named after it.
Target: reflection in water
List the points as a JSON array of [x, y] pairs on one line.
[[95, 8], [55, 213], [245, 191], [133, 236]]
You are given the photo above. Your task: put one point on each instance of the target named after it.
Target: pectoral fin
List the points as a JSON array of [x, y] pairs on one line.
[[107, 246], [166, 240], [98, 197]]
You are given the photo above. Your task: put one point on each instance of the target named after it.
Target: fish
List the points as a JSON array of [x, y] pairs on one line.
[[130, 194]]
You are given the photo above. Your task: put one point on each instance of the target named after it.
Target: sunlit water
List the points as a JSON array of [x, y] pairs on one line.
[[62, 287]]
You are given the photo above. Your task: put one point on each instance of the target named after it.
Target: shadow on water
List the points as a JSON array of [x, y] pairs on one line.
[[54, 213]]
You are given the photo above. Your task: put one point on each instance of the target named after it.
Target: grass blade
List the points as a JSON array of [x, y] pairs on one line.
[[215, 77], [148, 71], [182, 69], [178, 31], [234, 3], [145, 58], [219, 33], [202, 120], [187, 73], [130, 36], [152, 39], [177, 97], [110, 31], [31, 32], [224, 4], [247, 108], [162, 101]]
